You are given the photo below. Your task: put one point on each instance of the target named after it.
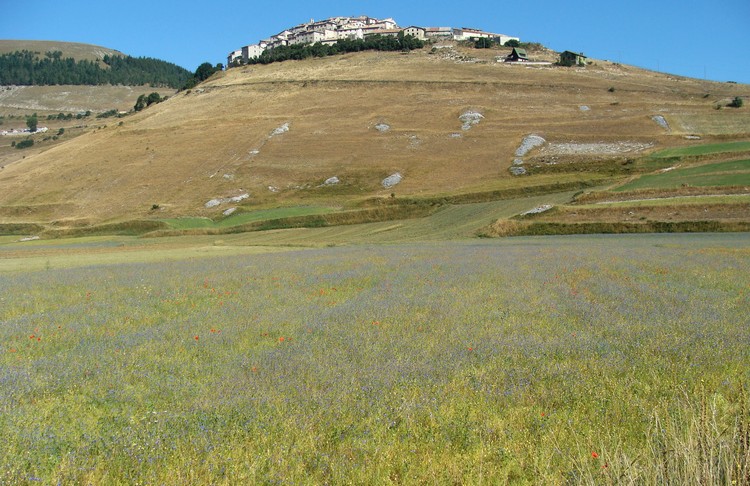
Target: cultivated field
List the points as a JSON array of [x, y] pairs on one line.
[[590, 359]]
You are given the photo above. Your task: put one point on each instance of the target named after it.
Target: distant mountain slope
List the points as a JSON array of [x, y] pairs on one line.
[[42, 63], [79, 52], [329, 131]]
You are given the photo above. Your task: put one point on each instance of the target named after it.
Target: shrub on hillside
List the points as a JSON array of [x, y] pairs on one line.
[[32, 123], [306, 51], [736, 102], [25, 144], [483, 43], [144, 101]]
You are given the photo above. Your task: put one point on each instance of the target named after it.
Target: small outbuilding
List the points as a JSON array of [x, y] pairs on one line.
[[517, 55], [569, 58]]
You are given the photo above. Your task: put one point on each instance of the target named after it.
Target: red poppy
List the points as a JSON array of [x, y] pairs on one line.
[[594, 455], [196, 338]]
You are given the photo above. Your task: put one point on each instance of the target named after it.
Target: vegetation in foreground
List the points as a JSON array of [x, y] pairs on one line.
[[599, 360]]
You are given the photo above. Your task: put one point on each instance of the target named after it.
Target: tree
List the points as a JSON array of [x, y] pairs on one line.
[[153, 98], [31, 122], [204, 71], [512, 43], [736, 102], [140, 103], [483, 43]]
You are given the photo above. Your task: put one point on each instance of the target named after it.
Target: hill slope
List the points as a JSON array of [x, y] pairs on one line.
[[278, 132], [75, 50]]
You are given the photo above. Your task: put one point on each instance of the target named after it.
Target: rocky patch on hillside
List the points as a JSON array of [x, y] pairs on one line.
[[218, 201], [391, 180], [599, 148], [470, 118]]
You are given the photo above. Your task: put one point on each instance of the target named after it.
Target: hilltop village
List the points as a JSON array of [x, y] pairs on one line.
[[330, 31]]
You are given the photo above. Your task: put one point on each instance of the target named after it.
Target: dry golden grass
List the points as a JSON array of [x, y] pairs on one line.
[[177, 153], [20, 101]]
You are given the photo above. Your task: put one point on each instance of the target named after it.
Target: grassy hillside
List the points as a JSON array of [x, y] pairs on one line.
[[20, 101], [278, 132], [78, 51]]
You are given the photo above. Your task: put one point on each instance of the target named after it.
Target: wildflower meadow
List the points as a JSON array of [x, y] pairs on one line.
[[552, 360]]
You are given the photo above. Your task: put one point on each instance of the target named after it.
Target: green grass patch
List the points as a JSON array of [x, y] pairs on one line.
[[671, 201], [246, 217], [731, 173], [707, 149]]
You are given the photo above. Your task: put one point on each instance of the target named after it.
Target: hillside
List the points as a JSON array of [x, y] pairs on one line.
[[278, 132], [19, 101], [77, 51]]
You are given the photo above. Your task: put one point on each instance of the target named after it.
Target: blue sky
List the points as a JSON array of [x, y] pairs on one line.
[[686, 37]]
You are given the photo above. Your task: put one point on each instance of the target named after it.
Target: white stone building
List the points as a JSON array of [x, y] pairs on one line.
[[465, 34], [417, 32], [439, 33], [234, 56]]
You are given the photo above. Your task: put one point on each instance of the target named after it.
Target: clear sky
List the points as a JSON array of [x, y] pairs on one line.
[[686, 37]]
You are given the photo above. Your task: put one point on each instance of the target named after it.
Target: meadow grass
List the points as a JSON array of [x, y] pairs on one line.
[[595, 360], [246, 217], [672, 200], [731, 173], [706, 149]]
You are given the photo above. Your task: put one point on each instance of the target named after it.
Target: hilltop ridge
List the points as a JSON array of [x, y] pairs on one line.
[[335, 30]]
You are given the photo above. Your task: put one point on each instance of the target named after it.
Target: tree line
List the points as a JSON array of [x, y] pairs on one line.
[[28, 68], [306, 51]]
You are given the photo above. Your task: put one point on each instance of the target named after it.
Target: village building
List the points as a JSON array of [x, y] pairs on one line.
[[350, 33], [439, 33], [467, 34], [386, 32], [569, 58], [254, 50], [416, 32], [234, 56], [330, 31], [502, 39]]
